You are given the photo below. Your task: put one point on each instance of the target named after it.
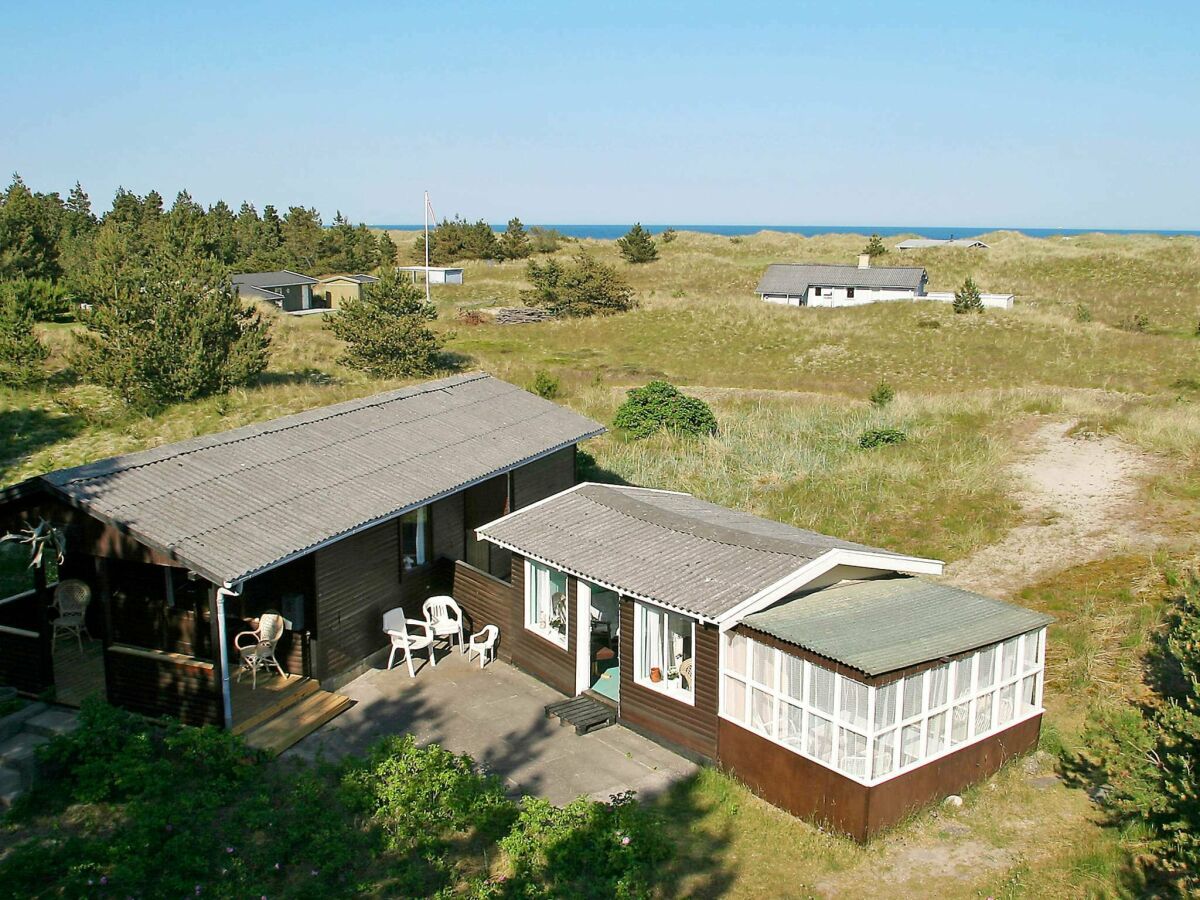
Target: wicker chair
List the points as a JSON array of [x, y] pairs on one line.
[[71, 599], [257, 648], [687, 669]]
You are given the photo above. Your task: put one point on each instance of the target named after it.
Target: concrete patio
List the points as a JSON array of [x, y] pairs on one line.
[[495, 715]]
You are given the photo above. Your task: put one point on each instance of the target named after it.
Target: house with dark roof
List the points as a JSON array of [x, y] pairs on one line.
[[837, 680], [820, 284], [290, 291], [330, 516], [333, 290]]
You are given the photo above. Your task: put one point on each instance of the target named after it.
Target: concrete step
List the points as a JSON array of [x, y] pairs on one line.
[[11, 787], [53, 722], [12, 725], [20, 753]]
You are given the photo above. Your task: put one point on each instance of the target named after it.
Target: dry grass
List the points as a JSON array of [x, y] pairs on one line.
[[789, 389]]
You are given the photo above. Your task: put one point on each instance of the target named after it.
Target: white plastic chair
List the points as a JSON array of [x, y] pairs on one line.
[[257, 648], [445, 617], [396, 627], [483, 643], [71, 599]]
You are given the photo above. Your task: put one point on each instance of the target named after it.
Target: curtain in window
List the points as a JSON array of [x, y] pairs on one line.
[[854, 703], [962, 677], [914, 687], [885, 705], [820, 694], [884, 760], [939, 684]]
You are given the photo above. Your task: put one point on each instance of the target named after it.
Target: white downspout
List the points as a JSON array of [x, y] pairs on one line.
[[224, 591]]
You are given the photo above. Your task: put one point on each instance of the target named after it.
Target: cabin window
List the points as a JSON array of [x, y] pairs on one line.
[[415, 538], [664, 645], [817, 291], [849, 293], [546, 602], [873, 732]]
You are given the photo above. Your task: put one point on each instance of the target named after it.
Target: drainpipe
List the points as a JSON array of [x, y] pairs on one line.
[[224, 591]]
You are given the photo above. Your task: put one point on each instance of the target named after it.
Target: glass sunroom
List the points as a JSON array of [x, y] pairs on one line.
[[872, 726]]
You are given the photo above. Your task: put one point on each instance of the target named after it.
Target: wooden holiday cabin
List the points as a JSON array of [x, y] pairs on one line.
[[330, 516], [828, 676]]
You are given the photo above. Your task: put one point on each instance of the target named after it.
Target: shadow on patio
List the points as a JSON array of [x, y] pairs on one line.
[[496, 715]]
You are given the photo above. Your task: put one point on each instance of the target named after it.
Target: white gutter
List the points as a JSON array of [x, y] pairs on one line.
[[226, 590]]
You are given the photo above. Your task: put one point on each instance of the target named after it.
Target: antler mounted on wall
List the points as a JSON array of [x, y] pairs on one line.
[[39, 538]]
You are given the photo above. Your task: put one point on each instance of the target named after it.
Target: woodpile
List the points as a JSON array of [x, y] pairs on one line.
[[521, 315]]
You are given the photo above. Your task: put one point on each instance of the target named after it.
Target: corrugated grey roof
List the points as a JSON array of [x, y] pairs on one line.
[[232, 504], [923, 243], [795, 278], [272, 279], [887, 624], [674, 548]]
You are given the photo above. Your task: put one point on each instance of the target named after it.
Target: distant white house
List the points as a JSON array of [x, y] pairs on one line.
[[822, 284], [929, 243], [435, 274]]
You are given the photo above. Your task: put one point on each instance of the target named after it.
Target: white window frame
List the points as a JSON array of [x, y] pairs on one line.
[[682, 694], [746, 683], [531, 585]]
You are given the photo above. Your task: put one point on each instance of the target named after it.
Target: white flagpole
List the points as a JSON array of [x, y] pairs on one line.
[[427, 247]]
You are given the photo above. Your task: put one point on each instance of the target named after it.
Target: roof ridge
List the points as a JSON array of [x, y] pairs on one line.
[[263, 428], [846, 266], [718, 534]]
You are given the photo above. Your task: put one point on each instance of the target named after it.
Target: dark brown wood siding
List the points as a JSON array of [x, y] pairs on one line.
[[25, 659], [814, 792], [163, 685], [487, 600], [693, 727], [357, 579], [534, 653], [543, 477], [448, 527]]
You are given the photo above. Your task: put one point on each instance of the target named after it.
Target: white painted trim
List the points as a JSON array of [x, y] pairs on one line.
[[680, 696], [908, 565], [583, 635], [549, 635]]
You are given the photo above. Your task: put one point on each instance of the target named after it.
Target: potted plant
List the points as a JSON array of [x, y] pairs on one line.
[[655, 674], [672, 674]]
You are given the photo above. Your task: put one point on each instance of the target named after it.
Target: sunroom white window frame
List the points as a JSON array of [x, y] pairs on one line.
[[562, 641], [681, 694], [873, 733]]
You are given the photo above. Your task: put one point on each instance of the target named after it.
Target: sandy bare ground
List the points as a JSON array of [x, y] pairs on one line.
[[1079, 497]]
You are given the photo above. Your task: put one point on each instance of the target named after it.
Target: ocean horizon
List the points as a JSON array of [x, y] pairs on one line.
[[935, 232]]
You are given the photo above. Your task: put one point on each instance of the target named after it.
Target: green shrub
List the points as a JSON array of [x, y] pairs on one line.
[[22, 354], [585, 287], [1083, 312], [421, 795], [660, 406], [585, 849], [669, 234], [879, 437], [929, 322], [875, 247], [967, 298], [545, 385], [882, 395], [1137, 322]]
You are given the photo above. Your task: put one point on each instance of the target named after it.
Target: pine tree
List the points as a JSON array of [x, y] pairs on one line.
[[875, 247], [585, 288], [302, 238], [386, 330], [221, 233], [168, 332], [637, 246], [386, 251], [967, 299], [21, 353], [28, 233], [514, 243]]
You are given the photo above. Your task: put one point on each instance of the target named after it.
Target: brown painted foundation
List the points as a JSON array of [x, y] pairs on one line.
[[821, 795]]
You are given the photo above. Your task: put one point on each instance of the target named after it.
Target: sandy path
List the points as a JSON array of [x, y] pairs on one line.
[[1079, 496]]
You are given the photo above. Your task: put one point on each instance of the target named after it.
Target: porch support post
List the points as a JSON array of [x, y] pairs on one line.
[[44, 627]]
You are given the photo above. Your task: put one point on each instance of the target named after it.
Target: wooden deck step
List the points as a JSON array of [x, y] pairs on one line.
[[297, 721], [290, 697], [586, 713]]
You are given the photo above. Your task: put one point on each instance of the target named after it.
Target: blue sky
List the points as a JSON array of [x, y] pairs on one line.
[[1043, 114]]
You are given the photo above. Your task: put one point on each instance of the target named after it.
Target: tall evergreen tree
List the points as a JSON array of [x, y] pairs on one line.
[[22, 354], [637, 246], [171, 332], [220, 226], [514, 243], [386, 330], [29, 233], [386, 251], [302, 237]]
